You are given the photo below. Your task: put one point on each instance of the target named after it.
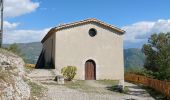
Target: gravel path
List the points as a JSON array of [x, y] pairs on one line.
[[61, 92], [136, 90], [57, 92]]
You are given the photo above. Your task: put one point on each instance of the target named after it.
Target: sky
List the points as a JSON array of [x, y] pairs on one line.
[[29, 20]]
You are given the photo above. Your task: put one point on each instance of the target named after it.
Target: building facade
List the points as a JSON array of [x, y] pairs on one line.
[[94, 47]]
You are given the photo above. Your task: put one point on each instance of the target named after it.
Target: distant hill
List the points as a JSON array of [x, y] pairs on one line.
[[133, 57], [31, 51]]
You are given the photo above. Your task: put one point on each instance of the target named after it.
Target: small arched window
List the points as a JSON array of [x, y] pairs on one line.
[[92, 32]]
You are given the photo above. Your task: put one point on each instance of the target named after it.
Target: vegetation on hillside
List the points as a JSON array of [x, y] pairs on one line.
[[133, 57], [157, 52], [37, 90], [31, 51], [14, 49]]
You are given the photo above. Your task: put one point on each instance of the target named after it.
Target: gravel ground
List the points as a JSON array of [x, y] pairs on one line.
[[61, 92], [57, 92]]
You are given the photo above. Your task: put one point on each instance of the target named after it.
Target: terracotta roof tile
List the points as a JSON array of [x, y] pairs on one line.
[[60, 27]]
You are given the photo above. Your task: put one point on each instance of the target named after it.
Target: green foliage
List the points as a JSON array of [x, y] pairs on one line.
[[37, 90], [157, 52], [139, 71], [133, 70], [69, 72], [78, 84], [14, 48], [31, 51], [108, 82]]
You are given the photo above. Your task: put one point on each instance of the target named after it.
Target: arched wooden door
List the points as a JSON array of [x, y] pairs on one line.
[[90, 70]]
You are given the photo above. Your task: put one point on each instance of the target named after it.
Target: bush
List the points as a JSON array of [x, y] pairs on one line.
[[139, 71], [135, 70], [69, 72], [30, 65]]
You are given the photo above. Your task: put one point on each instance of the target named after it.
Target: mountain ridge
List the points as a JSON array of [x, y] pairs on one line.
[[133, 57]]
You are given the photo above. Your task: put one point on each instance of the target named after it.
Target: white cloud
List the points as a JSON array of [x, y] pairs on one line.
[[9, 26], [24, 36], [161, 26], [140, 31], [13, 8], [136, 34]]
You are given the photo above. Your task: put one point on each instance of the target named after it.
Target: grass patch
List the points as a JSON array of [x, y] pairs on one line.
[[108, 82], [76, 84], [37, 90], [84, 86]]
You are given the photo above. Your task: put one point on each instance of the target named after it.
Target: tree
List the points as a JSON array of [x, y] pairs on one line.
[[157, 52]]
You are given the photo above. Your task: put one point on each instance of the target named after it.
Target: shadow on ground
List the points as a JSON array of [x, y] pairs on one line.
[[134, 91], [115, 88], [155, 94], [141, 91]]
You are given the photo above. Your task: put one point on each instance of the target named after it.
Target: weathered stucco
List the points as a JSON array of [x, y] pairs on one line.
[[74, 46]]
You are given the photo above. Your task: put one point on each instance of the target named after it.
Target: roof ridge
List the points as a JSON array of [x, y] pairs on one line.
[[88, 19], [60, 27]]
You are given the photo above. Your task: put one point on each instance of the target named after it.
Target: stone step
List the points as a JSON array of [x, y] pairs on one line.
[[42, 72], [50, 82], [43, 78]]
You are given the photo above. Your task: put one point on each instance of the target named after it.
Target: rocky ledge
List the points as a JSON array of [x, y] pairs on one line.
[[12, 85]]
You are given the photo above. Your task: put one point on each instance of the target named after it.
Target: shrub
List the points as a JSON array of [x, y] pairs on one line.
[[69, 72], [30, 65], [139, 71]]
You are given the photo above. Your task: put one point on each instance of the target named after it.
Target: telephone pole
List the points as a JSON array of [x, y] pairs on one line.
[[1, 30]]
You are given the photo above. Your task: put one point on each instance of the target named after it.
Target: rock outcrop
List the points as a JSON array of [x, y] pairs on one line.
[[12, 85]]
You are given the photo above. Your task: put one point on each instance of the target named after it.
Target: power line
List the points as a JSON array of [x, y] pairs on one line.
[[1, 30]]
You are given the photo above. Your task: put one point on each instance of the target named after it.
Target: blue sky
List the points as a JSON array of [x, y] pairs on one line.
[[140, 18]]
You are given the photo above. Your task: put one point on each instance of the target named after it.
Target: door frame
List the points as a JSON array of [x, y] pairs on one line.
[[94, 71]]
